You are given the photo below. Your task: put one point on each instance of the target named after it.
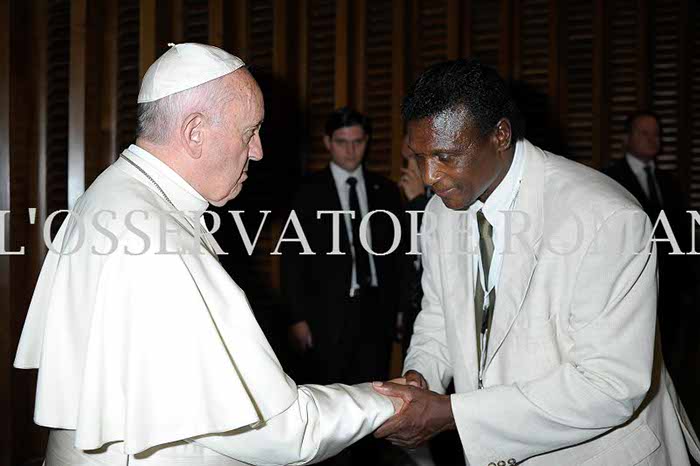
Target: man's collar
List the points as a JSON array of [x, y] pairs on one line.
[[638, 165], [340, 175], [503, 196]]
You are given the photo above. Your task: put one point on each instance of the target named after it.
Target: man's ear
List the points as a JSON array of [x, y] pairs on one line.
[[192, 134], [327, 142], [502, 135]]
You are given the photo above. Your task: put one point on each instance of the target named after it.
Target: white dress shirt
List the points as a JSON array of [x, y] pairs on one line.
[[638, 167], [340, 176], [501, 199]]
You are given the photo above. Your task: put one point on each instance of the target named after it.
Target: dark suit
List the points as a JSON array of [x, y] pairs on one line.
[[676, 275], [351, 336]]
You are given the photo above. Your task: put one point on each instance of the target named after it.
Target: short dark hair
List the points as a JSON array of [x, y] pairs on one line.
[[345, 117], [634, 116], [469, 84]]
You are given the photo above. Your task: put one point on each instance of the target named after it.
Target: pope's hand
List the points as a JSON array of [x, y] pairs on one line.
[[423, 415], [300, 336]]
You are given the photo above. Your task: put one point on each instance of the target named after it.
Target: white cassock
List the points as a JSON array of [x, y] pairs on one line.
[[148, 351]]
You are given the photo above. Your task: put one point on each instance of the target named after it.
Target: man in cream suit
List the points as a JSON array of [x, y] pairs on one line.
[[540, 294]]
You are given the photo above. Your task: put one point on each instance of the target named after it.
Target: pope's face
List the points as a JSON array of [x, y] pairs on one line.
[[454, 159], [235, 140], [347, 146]]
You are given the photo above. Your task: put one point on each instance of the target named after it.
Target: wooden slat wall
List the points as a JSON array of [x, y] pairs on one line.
[[578, 69], [665, 92], [7, 434], [379, 78], [321, 81], [694, 100], [576, 106]]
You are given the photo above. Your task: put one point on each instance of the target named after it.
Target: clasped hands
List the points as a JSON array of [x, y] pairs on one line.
[[420, 413]]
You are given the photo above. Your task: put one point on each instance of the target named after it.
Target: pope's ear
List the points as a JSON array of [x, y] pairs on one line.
[[192, 134], [502, 134]]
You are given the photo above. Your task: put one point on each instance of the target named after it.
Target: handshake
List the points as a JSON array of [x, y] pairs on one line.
[[420, 414]]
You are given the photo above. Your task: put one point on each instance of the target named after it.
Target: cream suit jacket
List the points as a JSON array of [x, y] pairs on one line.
[[572, 376]]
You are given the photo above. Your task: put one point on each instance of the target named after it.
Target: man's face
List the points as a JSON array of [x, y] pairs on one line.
[[235, 140], [347, 146], [644, 139], [458, 163]]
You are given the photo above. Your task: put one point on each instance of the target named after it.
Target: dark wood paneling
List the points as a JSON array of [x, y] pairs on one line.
[[379, 79], [694, 99], [128, 68], [321, 76], [665, 91], [7, 434]]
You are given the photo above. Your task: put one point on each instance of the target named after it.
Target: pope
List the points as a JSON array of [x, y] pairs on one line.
[[147, 350]]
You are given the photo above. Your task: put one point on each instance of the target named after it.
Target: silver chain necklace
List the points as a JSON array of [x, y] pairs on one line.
[[203, 239], [145, 173]]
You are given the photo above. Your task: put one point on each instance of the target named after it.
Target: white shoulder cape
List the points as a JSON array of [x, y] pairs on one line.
[[146, 349]]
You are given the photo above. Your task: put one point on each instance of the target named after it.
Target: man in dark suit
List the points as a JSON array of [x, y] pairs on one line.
[[343, 300], [656, 190]]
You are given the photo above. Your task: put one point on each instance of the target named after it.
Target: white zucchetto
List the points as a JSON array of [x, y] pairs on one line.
[[183, 67]]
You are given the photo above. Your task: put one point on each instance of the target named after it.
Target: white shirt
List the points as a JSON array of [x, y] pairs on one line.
[[638, 167], [501, 199], [340, 176]]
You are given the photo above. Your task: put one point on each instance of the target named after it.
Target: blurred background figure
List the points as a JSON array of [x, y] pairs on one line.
[[657, 190], [342, 306]]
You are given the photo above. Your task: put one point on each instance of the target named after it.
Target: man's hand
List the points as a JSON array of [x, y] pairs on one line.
[[410, 182], [423, 415], [300, 336], [416, 379], [397, 402]]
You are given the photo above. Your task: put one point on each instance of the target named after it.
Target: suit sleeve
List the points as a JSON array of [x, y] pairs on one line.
[[612, 325], [429, 353], [323, 421]]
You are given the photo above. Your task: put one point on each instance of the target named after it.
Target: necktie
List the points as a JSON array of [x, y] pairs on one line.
[[362, 271], [483, 314], [653, 196]]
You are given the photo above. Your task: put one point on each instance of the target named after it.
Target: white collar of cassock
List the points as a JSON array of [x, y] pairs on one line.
[[180, 192]]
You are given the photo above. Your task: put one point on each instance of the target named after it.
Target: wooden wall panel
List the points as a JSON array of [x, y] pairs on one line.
[[379, 78], [7, 435], [321, 77], [196, 20], [431, 33], [57, 106], [128, 70], [622, 70], [665, 92], [533, 73], [485, 31], [576, 103], [694, 94]]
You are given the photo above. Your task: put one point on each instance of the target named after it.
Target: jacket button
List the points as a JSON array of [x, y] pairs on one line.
[[501, 463], [512, 461], [492, 464]]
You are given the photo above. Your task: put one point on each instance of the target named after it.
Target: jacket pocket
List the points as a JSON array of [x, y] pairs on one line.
[[630, 450]]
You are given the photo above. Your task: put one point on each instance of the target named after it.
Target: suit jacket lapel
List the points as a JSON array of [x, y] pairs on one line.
[[520, 259]]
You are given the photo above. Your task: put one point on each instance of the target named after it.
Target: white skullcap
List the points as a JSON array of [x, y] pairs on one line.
[[183, 67]]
